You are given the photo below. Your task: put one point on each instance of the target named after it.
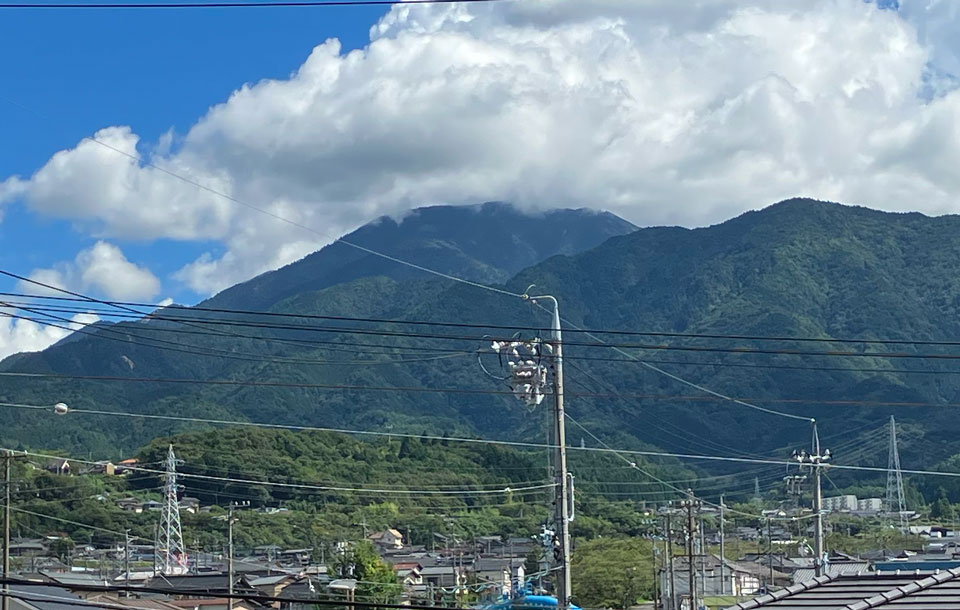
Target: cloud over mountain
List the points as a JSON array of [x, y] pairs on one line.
[[661, 112]]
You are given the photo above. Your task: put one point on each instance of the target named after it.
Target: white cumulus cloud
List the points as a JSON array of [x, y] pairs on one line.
[[103, 269], [19, 335], [685, 112]]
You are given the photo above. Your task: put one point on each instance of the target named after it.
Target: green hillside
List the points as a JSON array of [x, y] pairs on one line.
[[797, 268], [330, 487]]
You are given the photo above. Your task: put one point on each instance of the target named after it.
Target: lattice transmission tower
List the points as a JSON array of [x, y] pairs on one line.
[[895, 502], [170, 556]]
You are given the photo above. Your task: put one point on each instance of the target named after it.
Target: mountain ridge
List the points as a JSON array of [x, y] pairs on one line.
[[423, 237], [799, 267]]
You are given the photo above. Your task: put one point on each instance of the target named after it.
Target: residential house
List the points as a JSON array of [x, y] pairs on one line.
[[215, 603], [834, 568], [152, 505], [295, 557], [104, 467], [270, 586], [190, 505], [42, 598], [747, 533], [781, 563], [935, 590], [304, 591], [126, 466], [24, 547], [388, 539], [131, 505], [444, 576], [268, 552], [136, 603], [520, 547], [183, 586], [409, 573], [502, 572], [59, 466], [738, 578], [68, 580]]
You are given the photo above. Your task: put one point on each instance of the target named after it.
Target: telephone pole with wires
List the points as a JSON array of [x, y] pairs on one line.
[[7, 458], [528, 379], [692, 505], [816, 461]]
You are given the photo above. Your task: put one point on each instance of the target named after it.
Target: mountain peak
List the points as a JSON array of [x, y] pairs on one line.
[[487, 242]]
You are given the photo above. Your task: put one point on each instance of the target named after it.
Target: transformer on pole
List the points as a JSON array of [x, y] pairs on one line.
[[816, 460], [532, 366]]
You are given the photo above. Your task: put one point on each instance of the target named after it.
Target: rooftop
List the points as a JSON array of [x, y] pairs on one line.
[[886, 591]]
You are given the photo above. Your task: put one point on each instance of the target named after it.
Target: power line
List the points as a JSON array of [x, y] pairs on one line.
[[597, 342], [525, 444], [697, 386], [125, 337], [265, 599], [476, 391], [655, 424], [402, 350], [325, 345], [69, 522], [687, 335]]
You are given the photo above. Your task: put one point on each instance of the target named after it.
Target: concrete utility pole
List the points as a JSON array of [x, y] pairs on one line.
[[7, 458], [702, 555], [564, 502], [656, 577], [126, 559], [672, 576], [230, 557], [691, 503], [770, 553], [564, 590], [816, 461], [723, 556]]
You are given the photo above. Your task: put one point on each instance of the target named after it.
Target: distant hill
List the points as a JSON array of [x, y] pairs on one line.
[[800, 268]]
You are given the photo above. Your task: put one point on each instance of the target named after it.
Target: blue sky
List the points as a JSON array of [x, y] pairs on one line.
[[77, 71], [684, 113]]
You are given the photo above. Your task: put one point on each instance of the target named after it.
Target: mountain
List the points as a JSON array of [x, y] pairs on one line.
[[799, 268], [488, 243], [484, 243]]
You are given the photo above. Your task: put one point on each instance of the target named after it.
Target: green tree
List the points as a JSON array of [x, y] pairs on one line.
[[941, 508], [376, 581], [61, 547], [612, 573]]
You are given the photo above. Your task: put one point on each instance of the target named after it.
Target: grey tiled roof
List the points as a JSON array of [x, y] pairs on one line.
[[886, 591]]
